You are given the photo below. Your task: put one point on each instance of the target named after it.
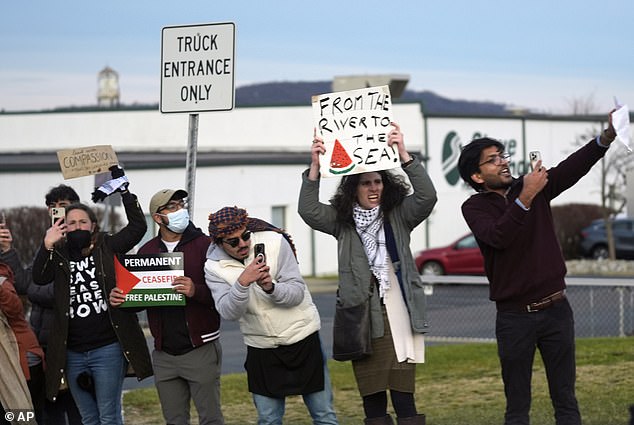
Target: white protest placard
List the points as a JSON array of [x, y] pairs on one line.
[[86, 161], [621, 124], [354, 125], [197, 68], [146, 279]]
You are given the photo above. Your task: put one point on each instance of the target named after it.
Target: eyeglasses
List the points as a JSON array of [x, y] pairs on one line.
[[233, 242], [497, 159], [174, 206]]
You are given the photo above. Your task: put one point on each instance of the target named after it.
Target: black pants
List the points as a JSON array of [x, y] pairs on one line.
[[552, 332], [37, 389], [37, 392]]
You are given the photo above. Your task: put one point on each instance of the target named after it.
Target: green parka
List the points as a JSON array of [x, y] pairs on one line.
[[354, 272]]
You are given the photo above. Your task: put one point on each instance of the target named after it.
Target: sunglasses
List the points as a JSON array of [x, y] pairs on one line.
[[233, 242]]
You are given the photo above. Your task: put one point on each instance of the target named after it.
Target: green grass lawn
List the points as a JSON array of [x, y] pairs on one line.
[[459, 385]]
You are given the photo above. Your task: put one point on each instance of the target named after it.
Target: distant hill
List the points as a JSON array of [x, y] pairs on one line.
[[299, 93]]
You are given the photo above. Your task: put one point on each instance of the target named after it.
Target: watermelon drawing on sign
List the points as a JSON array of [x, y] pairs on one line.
[[340, 161]]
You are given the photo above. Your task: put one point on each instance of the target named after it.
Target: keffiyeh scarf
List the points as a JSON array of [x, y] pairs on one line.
[[369, 224], [229, 219]]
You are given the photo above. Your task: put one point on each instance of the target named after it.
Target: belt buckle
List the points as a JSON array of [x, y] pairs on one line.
[[539, 305]]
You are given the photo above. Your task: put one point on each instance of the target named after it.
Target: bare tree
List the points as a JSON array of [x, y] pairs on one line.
[[612, 180], [583, 105], [27, 225]]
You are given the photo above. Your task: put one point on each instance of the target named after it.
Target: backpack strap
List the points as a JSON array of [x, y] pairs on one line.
[[390, 243]]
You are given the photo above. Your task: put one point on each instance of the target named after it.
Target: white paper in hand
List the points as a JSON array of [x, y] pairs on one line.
[[621, 123]]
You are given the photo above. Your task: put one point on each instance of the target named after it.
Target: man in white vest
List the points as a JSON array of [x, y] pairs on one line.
[[279, 322]]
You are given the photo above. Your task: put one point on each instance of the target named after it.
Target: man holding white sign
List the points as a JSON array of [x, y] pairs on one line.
[[187, 355]]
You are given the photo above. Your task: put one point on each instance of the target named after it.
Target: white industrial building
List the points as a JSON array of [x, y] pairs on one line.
[[253, 157]]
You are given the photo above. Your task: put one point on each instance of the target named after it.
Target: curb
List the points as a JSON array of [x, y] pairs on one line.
[[320, 285]]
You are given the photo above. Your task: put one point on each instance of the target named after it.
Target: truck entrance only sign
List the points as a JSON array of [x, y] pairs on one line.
[[197, 68]]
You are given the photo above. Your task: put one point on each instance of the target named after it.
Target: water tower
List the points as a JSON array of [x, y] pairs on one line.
[[108, 94]]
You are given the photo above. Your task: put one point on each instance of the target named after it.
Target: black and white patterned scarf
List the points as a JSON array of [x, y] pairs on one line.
[[369, 224]]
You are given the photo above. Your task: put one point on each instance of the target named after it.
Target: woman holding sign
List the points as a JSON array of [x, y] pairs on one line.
[[371, 216], [92, 344]]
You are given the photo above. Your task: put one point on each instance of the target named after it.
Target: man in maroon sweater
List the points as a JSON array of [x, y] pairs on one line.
[[187, 356], [512, 222]]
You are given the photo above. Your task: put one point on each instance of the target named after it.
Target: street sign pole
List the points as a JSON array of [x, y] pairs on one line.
[[197, 75], [192, 150]]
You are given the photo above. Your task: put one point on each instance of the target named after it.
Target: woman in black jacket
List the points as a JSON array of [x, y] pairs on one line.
[[91, 345]]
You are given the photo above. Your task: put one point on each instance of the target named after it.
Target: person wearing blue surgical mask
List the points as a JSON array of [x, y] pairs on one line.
[[178, 220], [187, 354]]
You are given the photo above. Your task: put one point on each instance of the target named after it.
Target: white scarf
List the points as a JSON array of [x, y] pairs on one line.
[[369, 224]]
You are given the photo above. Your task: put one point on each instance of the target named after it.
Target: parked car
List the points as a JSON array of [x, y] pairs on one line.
[[594, 241], [463, 256]]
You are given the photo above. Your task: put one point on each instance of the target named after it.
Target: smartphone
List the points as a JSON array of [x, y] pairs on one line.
[[259, 251], [533, 157], [3, 220], [57, 213]]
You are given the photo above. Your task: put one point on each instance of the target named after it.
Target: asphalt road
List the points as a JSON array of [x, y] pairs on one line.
[[456, 313], [233, 348]]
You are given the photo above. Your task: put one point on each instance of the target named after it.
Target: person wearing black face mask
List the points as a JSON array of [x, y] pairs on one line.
[[78, 241], [91, 338]]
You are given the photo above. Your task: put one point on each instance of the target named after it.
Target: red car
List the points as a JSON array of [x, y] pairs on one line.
[[460, 257]]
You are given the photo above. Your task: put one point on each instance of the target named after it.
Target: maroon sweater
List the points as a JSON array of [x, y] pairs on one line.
[[178, 330], [522, 257]]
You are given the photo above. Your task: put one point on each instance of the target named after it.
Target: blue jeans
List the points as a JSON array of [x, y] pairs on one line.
[[107, 366], [552, 332], [319, 404]]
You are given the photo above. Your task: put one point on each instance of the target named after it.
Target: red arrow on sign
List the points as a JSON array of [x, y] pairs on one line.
[[125, 280]]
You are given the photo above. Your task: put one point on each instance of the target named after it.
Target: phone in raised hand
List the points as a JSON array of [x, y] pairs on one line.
[[534, 157], [59, 212]]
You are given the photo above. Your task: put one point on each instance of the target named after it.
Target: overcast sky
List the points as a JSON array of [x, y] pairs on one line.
[[536, 54]]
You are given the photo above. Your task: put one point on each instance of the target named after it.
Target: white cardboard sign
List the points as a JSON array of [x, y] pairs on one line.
[[354, 125]]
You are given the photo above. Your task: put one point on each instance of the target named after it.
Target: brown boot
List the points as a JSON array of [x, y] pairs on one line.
[[384, 420], [412, 420]]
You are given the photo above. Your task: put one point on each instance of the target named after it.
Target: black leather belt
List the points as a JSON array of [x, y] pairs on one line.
[[546, 302]]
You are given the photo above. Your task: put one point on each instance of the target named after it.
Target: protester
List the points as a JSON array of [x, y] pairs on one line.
[[279, 322], [63, 410], [513, 225], [14, 391], [187, 355], [10, 257], [93, 344], [368, 212], [31, 356]]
